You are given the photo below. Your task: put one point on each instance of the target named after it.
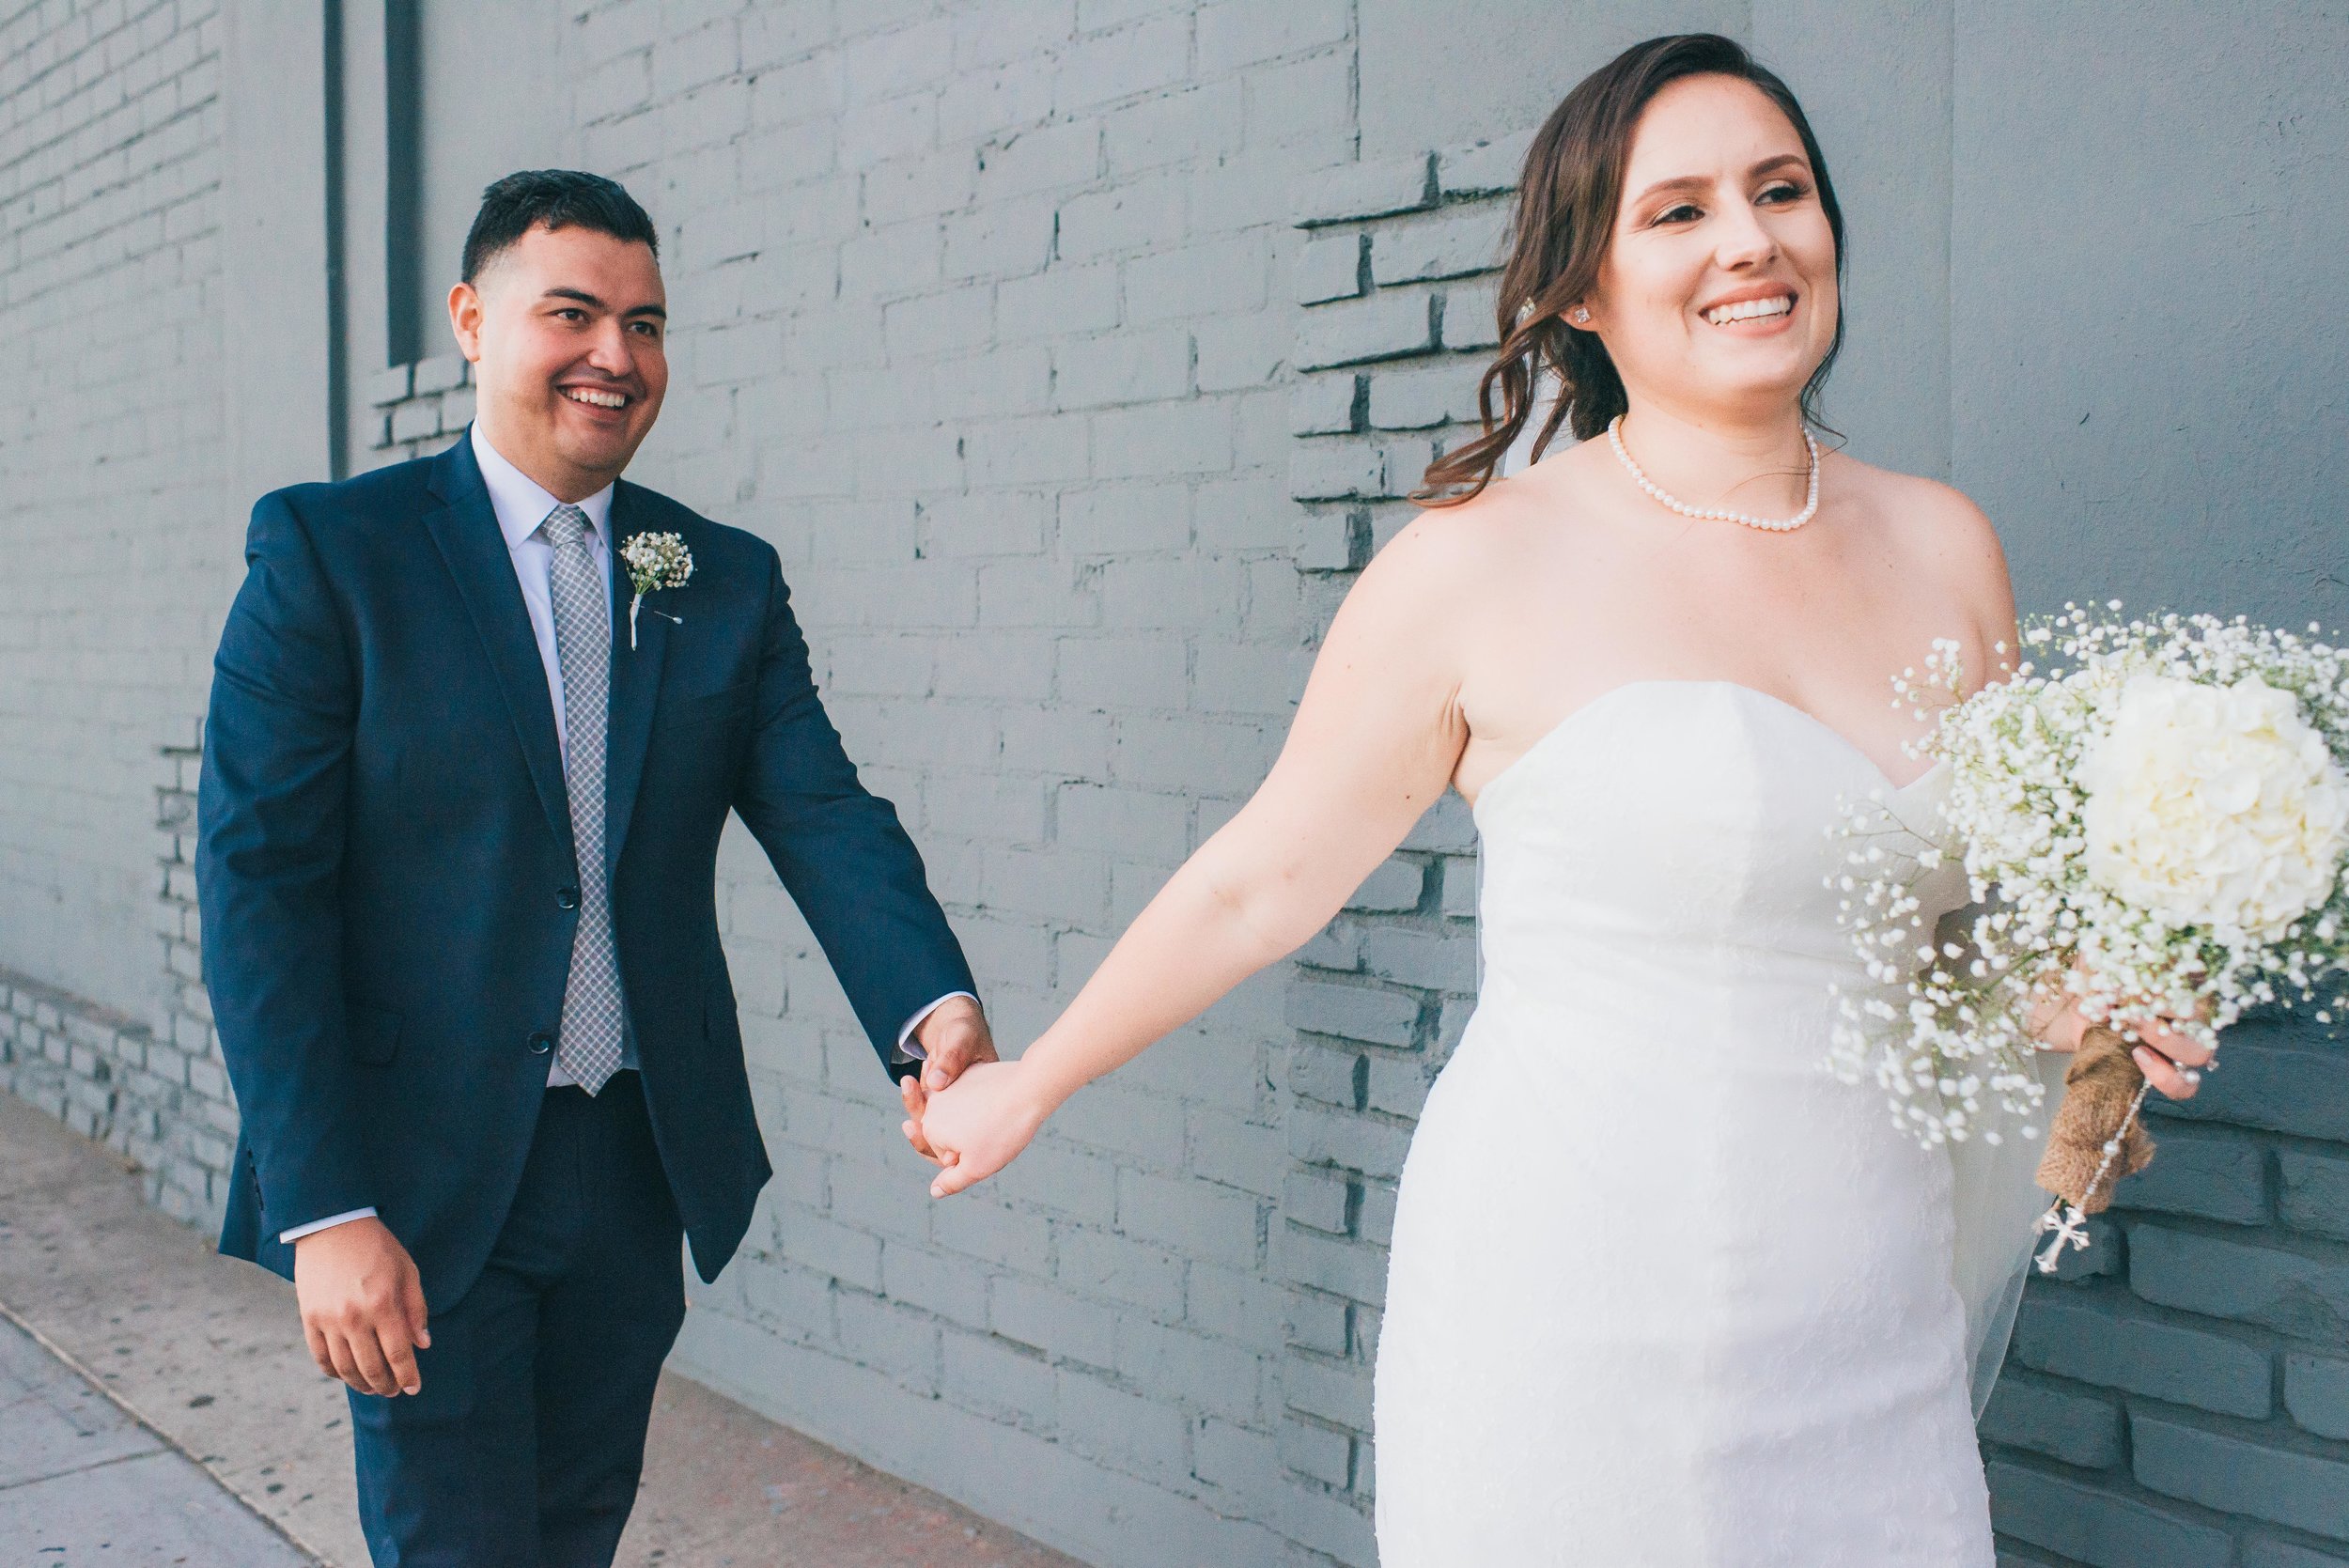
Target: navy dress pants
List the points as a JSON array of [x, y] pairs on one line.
[[524, 1447]]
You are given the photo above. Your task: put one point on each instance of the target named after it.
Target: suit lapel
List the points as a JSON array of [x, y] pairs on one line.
[[466, 530], [636, 682]]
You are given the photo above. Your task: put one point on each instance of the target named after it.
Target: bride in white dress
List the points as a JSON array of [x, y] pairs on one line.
[[1663, 1292]]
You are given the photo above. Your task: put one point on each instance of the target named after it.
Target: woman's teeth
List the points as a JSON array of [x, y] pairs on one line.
[[1748, 310], [598, 399]]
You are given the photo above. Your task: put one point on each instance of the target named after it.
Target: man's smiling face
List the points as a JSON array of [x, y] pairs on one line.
[[566, 330]]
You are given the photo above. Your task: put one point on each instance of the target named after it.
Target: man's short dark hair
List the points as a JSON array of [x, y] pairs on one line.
[[559, 198]]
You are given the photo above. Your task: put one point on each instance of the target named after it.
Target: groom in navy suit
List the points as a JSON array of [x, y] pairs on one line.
[[459, 818]]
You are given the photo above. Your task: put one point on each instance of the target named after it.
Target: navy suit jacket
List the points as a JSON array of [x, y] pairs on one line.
[[386, 876]]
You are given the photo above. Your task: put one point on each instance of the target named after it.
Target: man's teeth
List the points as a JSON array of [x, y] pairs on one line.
[[600, 399], [1747, 310]]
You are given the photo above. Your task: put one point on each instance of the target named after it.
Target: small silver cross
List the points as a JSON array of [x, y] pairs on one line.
[[2070, 1226]]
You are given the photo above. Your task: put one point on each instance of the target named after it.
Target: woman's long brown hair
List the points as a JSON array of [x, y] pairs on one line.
[[1566, 217]]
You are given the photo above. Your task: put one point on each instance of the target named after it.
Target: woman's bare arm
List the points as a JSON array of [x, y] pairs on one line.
[[1374, 742]]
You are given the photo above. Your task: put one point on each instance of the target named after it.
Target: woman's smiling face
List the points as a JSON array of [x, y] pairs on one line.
[[1718, 291]]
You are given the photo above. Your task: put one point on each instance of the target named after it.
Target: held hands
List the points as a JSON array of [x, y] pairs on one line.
[[979, 1125], [953, 1038], [361, 1306], [963, 1111]]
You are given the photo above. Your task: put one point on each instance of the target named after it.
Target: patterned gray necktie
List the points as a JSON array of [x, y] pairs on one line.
[[589, 1048]]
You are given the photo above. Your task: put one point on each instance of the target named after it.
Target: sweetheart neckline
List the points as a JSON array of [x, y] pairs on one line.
[[1816, 722]]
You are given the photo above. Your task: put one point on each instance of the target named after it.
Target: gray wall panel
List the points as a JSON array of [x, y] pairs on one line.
[[1875, 82], [1464, 70], [495, 100], [2151, 207]]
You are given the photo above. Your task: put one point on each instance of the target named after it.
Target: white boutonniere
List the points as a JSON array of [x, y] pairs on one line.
[[654, 561]]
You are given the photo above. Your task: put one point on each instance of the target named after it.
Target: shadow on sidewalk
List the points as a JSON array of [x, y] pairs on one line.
[[208, 1351]]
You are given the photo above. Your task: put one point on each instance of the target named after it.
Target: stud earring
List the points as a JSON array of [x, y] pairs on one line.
[[1582, 315]]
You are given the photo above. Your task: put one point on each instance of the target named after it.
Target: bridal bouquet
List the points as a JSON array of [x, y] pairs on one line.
[[2153, 825]]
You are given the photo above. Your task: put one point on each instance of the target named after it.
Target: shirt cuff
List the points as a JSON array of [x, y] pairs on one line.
[[908, 1049], [289, 1237]]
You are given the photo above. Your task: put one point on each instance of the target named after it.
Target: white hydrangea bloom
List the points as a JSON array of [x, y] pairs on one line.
[[2214, 805]]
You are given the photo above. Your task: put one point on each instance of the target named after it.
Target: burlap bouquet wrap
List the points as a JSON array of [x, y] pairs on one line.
[[2100, 1092]]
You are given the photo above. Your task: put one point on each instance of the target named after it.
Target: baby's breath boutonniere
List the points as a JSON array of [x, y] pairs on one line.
[[654, 561]]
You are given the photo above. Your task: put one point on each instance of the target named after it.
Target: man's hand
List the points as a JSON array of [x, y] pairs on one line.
[[361, 1306], [953, 1037]]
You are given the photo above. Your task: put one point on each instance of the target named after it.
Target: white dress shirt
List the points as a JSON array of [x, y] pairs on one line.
[[521, 505]]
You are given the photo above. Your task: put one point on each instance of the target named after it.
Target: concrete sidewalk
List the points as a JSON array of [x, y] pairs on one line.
[[82, 1482], [212, 1420]]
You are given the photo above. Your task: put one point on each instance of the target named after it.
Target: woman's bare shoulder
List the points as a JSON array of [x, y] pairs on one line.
[[1938, 529], [1923, 514], [1462, 549]]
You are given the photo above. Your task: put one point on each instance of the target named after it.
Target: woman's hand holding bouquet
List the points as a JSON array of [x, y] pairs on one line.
[[2154, 834]]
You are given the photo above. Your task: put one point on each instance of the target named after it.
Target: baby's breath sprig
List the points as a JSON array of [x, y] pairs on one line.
[[654, 562]]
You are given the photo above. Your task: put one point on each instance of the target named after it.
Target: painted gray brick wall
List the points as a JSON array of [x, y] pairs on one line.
[[1394, 323], [110, 445], [155, 1089], [982, 317], [1033, 475], [2180, 1395]]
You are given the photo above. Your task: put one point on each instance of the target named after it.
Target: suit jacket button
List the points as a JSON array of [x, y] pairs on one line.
[[567, 898], [540, 1043]]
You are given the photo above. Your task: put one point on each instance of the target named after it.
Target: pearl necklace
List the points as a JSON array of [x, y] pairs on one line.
[[1718, 514]]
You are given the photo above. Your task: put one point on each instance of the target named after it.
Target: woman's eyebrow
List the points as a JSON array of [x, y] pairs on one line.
[[1678, 182], [1783, 160]]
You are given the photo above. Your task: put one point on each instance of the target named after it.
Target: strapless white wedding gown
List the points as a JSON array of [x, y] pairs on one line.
[[1664, 1293]]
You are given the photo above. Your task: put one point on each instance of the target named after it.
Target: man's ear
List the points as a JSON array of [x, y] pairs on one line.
[[464, 319]]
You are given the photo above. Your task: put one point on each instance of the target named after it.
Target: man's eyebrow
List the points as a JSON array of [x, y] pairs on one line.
[[1698, 181], [586, 299]]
